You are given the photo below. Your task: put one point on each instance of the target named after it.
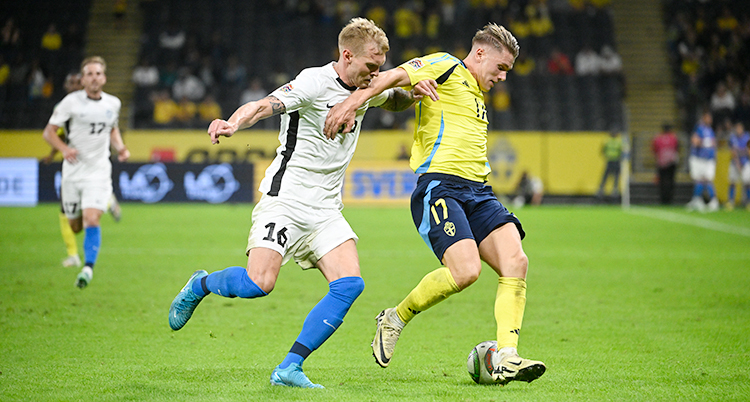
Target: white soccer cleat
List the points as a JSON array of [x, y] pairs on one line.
[[512, 367], [696, 204], [84, 277], [713, 205], [389, 328], [72, 261]]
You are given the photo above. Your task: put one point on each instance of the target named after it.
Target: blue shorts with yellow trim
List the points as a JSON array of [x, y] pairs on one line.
[[448, 208]]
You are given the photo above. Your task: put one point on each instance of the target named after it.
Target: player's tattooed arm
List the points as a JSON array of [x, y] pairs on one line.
[[398, 100], [277, 106], [246, 116]]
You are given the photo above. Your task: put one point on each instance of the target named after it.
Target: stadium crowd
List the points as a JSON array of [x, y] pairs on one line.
[[709, 48]]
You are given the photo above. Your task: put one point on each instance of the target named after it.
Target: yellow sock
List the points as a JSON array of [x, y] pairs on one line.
[[431, 290], [68, 236], [509, 306]]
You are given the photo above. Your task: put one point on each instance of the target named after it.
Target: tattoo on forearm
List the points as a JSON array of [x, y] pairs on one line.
[[398, 100], [277, 106]]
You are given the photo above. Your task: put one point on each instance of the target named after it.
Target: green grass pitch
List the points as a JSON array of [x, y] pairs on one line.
[[648, 304]]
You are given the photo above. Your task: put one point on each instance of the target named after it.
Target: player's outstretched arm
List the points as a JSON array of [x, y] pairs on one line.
[[245, 116], [50, 135], [115, 139], [341, 117]]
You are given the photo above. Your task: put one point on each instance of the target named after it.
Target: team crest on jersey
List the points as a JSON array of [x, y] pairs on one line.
[[286, 88], [450, 229], [416, 64]]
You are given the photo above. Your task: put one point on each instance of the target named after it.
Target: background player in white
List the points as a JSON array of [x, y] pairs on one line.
[[90, 116], [739, 166], [73, 83], [702, 164], [299, 213]]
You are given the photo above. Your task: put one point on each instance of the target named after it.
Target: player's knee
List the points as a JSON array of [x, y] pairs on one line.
[[467, 275], [519, 265], [348, 288]]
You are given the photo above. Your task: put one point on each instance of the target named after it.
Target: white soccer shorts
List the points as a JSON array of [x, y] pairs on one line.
[[79, 195], [736, 176], [702, 169], [296, 230]]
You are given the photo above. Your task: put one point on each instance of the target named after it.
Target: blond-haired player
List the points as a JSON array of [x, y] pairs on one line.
[[299, 214], [456, 214]]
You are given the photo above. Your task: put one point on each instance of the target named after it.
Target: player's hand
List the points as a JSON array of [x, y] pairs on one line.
[[425, 88], [123, 154], [70, 155], [218, 128], [340, 119]]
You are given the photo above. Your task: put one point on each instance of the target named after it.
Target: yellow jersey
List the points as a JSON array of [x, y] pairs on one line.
[[450, 135]]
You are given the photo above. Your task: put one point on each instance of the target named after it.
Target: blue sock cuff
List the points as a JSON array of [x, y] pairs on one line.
[[347, 289]]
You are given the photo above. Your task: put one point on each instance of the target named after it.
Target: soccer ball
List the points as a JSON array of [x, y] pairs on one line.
[[479, 364]]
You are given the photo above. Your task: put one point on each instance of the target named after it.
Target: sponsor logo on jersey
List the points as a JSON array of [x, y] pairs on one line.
[[286, 88], [464, 83], [416, 64]]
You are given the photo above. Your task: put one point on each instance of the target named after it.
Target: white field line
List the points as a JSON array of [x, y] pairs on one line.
[[690, 220]]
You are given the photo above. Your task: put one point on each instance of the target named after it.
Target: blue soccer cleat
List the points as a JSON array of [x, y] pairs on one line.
[[185, 302], [292, 376]]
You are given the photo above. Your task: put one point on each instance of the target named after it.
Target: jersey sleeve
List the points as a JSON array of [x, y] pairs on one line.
[[62, 112], [420, 69], [298, 93]]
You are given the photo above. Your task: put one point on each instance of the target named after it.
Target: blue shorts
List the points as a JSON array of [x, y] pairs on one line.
[[448, 208]]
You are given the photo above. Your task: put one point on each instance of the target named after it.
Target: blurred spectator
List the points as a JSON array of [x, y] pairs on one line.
[[51, 40], [119, 10], [171, 42], [188, 86], [145, 74], [666, 149], [11, 43], [4, 72], [559, 63], [235, 74], [524, 65], [186, 111], [722, 103], [206, 71], [253, 92], [611, 62], [529, 190], [588, 62], [165, 109], [36, 80], [209, 109], [612, 151], [168, 75]]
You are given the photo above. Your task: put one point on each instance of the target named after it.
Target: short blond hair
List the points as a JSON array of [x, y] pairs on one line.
[[497, 36], [358, 32], [94, 59]]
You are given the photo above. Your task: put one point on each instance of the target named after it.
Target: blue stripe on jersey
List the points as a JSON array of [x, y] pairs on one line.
[[426, 165], [443, 57], [424, 226]]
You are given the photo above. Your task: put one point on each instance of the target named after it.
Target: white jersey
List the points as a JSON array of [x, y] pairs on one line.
[[309, 168], [88, 123]]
